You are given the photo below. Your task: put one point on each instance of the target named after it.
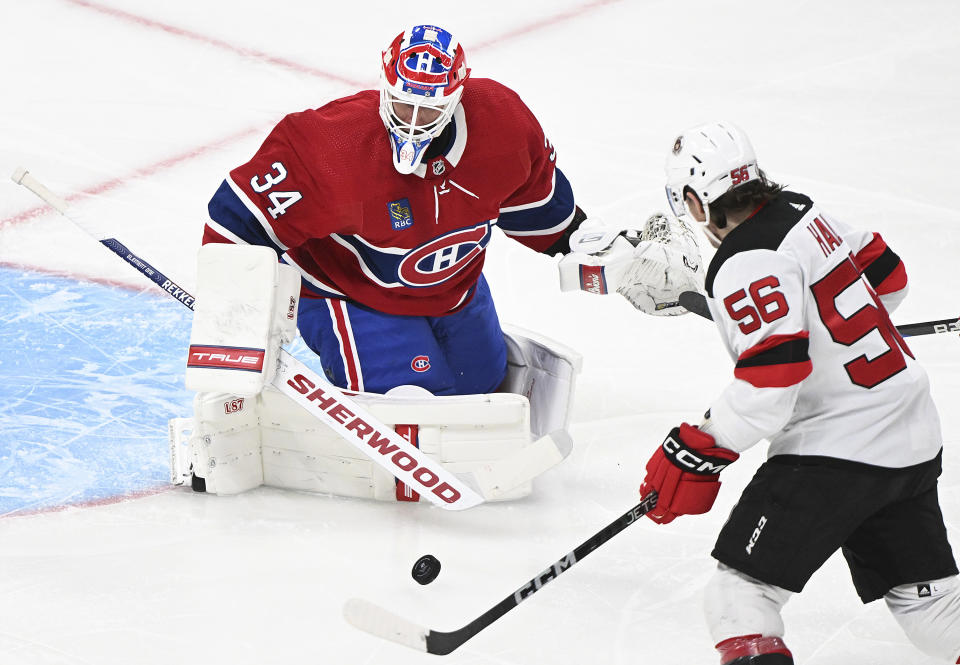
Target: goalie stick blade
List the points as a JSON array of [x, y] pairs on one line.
[[382, 623], [497, 478]]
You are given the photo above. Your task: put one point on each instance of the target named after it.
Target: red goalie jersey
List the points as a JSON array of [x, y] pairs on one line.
[[800, 301], [323, 192]]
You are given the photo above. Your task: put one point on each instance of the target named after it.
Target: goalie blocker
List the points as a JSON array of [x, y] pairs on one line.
[[650, 267], [245, 433]]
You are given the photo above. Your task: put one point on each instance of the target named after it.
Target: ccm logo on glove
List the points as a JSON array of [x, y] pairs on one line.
[[688, 459], [685, 473]]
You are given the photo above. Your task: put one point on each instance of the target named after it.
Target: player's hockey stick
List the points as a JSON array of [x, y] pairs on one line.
[[384, 446], [697, 303], [380, 622]]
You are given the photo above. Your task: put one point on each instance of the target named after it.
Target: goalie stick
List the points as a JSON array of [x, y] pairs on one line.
[[697, 303], [383, 623], [316, 395]]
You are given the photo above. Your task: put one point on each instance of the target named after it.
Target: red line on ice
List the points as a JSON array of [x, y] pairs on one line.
[[572, 13], [137, 285], [144, 171], [93, 503], [213, 41]]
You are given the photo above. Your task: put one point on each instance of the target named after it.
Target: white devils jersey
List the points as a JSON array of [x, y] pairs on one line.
[[820, 369]]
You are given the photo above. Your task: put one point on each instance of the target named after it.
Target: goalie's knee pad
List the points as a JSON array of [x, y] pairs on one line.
[[929, 613], [736, 605], [246, 310]]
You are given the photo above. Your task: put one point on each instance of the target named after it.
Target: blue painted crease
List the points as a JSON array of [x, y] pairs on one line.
[[89, 377]]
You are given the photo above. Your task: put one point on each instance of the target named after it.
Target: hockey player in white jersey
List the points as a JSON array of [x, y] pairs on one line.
[[801, 301]]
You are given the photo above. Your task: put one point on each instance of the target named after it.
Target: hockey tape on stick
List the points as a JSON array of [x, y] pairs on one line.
[[696, 303], [496, 478], [316, 395], [385, 624]]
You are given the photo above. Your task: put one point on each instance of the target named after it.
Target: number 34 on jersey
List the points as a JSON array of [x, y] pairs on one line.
[[280, 200]]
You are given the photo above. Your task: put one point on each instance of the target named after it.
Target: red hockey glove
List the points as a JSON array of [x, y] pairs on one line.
[[685, 472]]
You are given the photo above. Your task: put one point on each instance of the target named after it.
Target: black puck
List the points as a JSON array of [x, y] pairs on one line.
[[426, 569]]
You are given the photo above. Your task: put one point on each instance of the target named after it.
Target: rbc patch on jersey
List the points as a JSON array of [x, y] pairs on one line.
[[400, 215]]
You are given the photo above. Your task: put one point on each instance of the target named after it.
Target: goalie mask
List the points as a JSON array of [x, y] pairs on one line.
[[710, 160], [420, 86]]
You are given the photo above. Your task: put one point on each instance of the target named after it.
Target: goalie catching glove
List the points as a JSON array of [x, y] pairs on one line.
[[650, 267], [685, 472]]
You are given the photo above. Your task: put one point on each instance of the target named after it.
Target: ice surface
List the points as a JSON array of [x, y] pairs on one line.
[[88, 378], [135, 110]]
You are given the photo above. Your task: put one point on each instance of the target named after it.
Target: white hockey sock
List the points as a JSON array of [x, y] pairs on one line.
[[929, 613], [736, 604]]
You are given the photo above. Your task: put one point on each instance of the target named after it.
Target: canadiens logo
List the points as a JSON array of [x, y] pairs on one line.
[[400, 215], [443, 257], [409, 59], [420, 364]]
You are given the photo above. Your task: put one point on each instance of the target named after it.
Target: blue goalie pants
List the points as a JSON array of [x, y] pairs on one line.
[[360, 349]]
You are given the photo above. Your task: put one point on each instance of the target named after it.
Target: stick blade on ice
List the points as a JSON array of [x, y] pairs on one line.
[[382, 623]]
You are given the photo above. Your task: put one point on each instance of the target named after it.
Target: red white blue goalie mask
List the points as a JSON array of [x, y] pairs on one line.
[[420, 86]]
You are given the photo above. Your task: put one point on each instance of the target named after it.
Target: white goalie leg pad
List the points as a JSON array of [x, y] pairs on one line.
[[545, 372], [223, 447], [463, 432], [467, 433], [736, 604], [929, 613], [246, 309]]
